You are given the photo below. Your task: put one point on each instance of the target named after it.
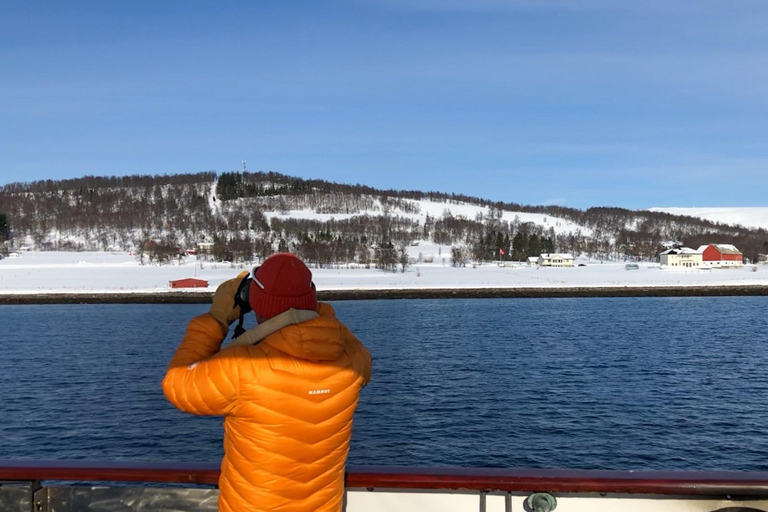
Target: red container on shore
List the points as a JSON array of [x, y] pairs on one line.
[[189, 282]]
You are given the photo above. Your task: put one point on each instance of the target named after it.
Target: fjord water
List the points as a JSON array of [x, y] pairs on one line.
[[609, 383]]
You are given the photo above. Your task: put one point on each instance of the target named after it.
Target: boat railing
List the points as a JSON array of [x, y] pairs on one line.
[[75, 486]]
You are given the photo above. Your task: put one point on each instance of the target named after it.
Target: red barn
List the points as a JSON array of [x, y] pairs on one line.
[[189, 282], [721, 255]]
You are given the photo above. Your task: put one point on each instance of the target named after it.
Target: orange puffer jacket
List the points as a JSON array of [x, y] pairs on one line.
[[288, 404]]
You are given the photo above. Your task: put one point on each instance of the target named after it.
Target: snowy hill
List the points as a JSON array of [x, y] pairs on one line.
[[242, 215], [750, 217]]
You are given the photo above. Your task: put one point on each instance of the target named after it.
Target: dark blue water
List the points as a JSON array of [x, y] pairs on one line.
[[635, 383]]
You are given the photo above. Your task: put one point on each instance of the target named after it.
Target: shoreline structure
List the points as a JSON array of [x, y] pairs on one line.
[[196, 297]]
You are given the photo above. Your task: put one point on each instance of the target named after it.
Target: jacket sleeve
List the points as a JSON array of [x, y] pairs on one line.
[[360, 354], [200, 379]]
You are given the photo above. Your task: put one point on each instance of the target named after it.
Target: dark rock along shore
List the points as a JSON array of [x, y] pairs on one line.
[[434, 293]]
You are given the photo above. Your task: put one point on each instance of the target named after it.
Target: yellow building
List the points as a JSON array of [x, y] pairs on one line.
[[556, 260]]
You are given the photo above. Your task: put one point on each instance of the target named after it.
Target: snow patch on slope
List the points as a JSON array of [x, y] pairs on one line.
[[437, 210]]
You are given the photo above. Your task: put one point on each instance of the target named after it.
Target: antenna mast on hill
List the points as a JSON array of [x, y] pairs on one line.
[[243, 165]]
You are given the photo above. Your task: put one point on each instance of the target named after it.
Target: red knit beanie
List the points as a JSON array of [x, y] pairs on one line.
[[282, 282]]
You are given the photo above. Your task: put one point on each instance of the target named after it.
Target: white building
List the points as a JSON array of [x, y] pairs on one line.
[[555, 260], [681, 257], [533, 260]]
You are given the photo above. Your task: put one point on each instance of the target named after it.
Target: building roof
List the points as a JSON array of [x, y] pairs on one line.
[[722, 248], [727, 249], [684, 250]]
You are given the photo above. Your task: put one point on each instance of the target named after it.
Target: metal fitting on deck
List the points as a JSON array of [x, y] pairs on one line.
[[541, 502]]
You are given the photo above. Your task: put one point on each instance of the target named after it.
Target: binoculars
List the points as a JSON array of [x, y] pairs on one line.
[[242, 294], [241, 299]]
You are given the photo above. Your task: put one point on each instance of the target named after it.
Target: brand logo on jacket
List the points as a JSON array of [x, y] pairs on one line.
[[319, 391]]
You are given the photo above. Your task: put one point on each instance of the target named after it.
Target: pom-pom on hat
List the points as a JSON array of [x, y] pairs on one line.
[[282, 282]]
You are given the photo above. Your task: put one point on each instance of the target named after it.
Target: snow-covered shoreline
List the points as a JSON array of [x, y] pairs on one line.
[[120, 273]]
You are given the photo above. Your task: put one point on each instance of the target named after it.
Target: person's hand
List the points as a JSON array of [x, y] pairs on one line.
[[224, 309]]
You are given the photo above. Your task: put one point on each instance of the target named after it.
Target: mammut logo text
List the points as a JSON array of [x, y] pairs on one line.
[[319, 391]]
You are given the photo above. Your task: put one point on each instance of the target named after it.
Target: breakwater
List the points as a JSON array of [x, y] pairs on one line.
[[201, 297]]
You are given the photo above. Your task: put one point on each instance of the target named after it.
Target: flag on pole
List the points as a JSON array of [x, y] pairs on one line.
[[501, 251]]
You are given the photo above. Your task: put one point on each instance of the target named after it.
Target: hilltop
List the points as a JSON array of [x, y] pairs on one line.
[[247, 214], [751, 217]]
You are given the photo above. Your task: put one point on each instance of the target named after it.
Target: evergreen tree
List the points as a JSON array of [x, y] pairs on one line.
[[228, 185], [547, 245], [520, 246], [4, 231], [534, 245]]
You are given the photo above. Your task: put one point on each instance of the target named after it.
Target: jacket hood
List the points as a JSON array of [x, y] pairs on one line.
[[319, 339]]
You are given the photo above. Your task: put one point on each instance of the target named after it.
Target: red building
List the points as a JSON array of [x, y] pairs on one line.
[[721, 255], [189, 282]]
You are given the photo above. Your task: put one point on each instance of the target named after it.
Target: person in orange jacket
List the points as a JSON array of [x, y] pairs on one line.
[[287, 390]]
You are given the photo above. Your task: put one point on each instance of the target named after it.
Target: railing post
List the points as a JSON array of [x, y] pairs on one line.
[[39, 497]]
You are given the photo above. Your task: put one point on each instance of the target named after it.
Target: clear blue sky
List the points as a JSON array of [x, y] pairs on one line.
[[575, 102]]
